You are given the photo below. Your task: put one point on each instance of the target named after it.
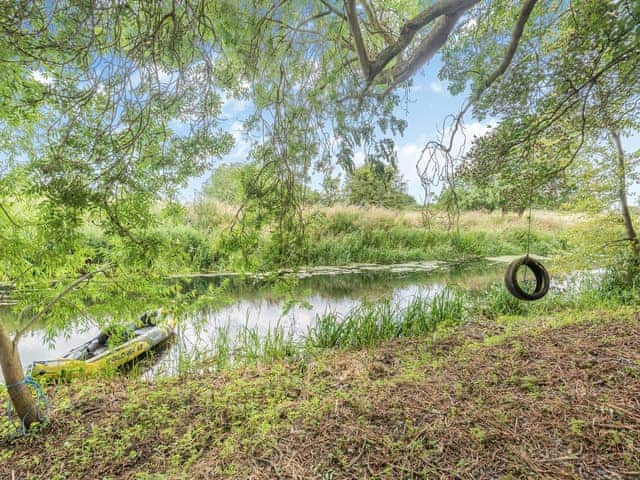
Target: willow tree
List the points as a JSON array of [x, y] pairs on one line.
[[105, 109], [108, 106], [326, 80], [534, 61]]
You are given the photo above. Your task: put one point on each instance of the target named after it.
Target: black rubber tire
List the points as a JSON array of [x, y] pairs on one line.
[[541, 274]]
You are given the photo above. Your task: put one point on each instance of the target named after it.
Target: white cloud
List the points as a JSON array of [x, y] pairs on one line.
[[242, 146], [470, 24], [233, 106], [436, 87], [477, 129], [165, 77], [236, 130], [358, 157], [41, 77], [465, 136], [408, 156]]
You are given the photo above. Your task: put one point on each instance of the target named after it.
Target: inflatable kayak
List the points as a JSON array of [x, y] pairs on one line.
[[108, 351]]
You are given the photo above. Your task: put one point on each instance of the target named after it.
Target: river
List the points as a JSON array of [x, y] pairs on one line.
[[256, 306]]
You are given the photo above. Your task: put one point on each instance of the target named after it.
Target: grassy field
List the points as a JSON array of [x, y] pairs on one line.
[[513, 397], [211, 213]]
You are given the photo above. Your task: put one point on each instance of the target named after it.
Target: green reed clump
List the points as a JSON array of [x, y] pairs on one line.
[[370, 324], [496, 300], [447, 306], [417, 318], [621, 280], [327, 331], [364, 326], [275, 343], [222, 347]]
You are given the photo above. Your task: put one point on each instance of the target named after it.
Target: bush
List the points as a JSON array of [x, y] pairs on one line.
[[186, 248], [538, 243], [621, 281], [497, 300]]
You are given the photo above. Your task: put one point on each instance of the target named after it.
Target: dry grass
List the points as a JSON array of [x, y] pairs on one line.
[[377, 217], [543, 220], [206, 214], [374, 217]]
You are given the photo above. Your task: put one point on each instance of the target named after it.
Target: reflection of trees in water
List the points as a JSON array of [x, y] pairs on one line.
[[349, 284], [343, 285], [12, 320], [255, 304]]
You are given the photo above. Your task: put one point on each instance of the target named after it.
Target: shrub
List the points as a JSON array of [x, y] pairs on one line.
[[186, 247], [621, 281]]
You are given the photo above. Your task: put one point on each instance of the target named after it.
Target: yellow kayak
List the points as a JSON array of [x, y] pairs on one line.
[[98, 357]]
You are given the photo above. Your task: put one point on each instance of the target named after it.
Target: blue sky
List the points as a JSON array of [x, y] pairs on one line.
[[430, 102]]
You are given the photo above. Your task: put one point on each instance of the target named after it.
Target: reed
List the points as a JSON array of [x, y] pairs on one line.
[[371, 324]]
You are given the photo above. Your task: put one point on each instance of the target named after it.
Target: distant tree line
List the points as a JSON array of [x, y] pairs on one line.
[[376, 184]]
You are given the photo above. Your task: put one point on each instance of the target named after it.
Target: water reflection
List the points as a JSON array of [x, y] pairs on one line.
[[262, 309], [257, 306]]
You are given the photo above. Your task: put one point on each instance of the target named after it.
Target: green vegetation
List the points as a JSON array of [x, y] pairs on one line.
[[342, 235], [377, 184], [369, 325], [227, 183], [109, 109], [356, 242], [372, 324], [284, 416]]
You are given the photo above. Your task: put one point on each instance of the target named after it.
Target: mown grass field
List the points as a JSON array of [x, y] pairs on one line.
[[514, 397]]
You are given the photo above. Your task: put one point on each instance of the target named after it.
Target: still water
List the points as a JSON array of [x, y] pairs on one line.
[[257, 306]]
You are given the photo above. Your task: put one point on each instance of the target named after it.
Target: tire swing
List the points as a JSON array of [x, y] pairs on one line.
[[540, 273], [527, 263]]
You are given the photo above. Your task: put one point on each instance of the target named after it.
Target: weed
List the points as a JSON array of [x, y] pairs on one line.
[[479, 434], [576, 426]]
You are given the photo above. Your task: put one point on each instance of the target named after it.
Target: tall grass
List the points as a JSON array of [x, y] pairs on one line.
[[343, 235], [365, 326], [371, 324], [342, 239]]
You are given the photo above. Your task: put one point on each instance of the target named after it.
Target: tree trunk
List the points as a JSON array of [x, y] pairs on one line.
[[21, 397], [621, 176]]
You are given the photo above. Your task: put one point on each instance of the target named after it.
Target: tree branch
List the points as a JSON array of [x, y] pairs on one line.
[[84, 278], [525, 13], [428, 47], [334, 9], [523, 17], [412, 27], [373, 18], [9, 217], [356, 33]]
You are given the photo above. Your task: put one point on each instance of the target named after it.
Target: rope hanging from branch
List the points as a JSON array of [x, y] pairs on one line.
[[542, 280]]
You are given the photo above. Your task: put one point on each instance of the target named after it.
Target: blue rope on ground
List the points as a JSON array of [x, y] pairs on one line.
[[42, 407]]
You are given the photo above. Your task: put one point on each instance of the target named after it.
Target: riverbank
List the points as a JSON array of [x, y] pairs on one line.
[[550, 395], [206, 237]]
